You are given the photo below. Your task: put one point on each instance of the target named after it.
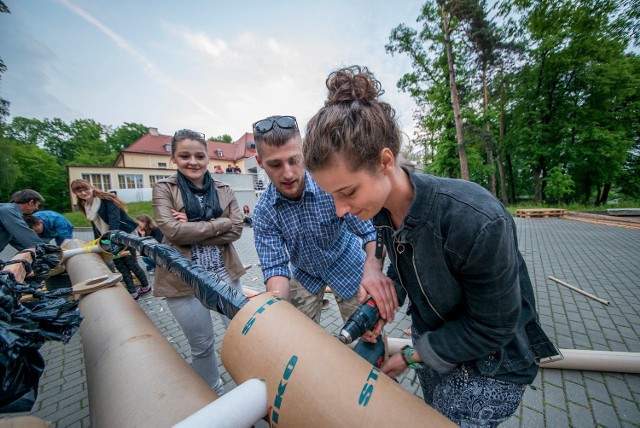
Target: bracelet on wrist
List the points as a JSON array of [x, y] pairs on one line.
[[407, 356]]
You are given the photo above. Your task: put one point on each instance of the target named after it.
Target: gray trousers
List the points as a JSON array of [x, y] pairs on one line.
[[197, 325]]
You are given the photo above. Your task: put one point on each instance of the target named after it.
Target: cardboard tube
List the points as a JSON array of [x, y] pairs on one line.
[[135, 377], [312, 378], [574, 359], [243, 406], [600, 361], [24, 422]]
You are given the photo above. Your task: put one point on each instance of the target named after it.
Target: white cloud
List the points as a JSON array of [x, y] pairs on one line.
[[149, 66], [216, 75]]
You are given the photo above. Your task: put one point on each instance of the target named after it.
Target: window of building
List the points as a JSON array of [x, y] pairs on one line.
[[162, 164], [167, 148], [153, 179], [219, 152], [130, 181], [99, 181]]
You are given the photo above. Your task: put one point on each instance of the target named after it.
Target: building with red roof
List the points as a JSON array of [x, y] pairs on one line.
[[147, 160]]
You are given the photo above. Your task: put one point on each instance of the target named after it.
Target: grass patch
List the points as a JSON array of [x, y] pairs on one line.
[[134, 209]]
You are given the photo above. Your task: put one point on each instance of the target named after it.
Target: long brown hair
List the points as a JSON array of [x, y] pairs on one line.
[[80, 184], [148, 223]]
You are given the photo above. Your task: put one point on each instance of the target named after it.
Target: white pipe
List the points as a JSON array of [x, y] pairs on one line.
[[394, 345], [243, 406], [578, 290], [574, 359], [66, 254], [602, 361]]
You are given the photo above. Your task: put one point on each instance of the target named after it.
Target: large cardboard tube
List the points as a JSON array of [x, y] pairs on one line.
[[312, 378], [135, 377]]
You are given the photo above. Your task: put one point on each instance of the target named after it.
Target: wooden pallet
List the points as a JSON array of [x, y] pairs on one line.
[[542, 213]]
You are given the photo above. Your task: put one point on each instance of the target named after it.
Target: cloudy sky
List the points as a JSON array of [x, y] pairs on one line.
[[212, 66]]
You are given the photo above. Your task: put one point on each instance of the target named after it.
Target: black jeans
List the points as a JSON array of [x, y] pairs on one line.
[[127, 265]]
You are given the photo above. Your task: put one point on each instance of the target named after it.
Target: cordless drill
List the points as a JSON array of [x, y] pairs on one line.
[[361, 320], [372, 352]]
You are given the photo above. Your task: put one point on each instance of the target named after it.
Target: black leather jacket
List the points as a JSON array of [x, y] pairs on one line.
[[116, 218], [471, 300]]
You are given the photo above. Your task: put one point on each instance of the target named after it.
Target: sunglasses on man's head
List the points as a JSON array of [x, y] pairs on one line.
[[187, 133], [266, 125]]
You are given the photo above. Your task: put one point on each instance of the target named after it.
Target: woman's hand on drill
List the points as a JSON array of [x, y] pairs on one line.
[[379, 286]]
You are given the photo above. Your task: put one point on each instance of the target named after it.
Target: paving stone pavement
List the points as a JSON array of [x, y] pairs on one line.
[[602, 260]]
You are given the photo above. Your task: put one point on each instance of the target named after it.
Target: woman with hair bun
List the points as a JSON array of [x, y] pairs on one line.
[[107, 212], [453, 252]]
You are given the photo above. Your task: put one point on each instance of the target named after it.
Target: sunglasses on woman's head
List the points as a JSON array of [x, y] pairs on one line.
[[266, 125]]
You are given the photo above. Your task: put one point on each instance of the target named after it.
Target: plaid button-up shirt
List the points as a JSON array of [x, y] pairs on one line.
[[308, 239]]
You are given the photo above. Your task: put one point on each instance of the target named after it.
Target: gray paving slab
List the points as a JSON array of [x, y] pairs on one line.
[[602, 260]]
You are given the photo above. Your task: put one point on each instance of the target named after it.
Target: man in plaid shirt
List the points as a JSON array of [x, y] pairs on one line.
[[302, 244]]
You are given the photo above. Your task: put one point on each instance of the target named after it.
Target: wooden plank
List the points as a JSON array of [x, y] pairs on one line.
[[605, 223], [606, 217], [627, 223], [624, 211], [18, 269]]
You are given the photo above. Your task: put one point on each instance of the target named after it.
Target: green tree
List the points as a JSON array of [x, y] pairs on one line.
[[56, 137], [36, 169], [225, 138], [124, 136], [448, 13], [482, 35], [573, 99], [4, 104], [629, 179], [559, 184], [430, 83], [8, 168], [26, 131]]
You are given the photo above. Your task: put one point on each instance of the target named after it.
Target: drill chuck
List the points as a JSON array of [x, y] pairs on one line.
[[345, 337], [361, 320]]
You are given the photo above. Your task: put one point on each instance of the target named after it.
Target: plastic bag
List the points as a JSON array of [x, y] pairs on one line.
[[24, 327]]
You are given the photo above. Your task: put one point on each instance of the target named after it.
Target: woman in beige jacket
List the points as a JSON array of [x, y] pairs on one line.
[[199, 217]]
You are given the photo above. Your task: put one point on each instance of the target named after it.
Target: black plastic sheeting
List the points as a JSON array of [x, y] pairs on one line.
[[25, 326], [214, 293]]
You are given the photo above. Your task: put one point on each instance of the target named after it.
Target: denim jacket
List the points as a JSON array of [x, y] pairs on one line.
[[471, 300]]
